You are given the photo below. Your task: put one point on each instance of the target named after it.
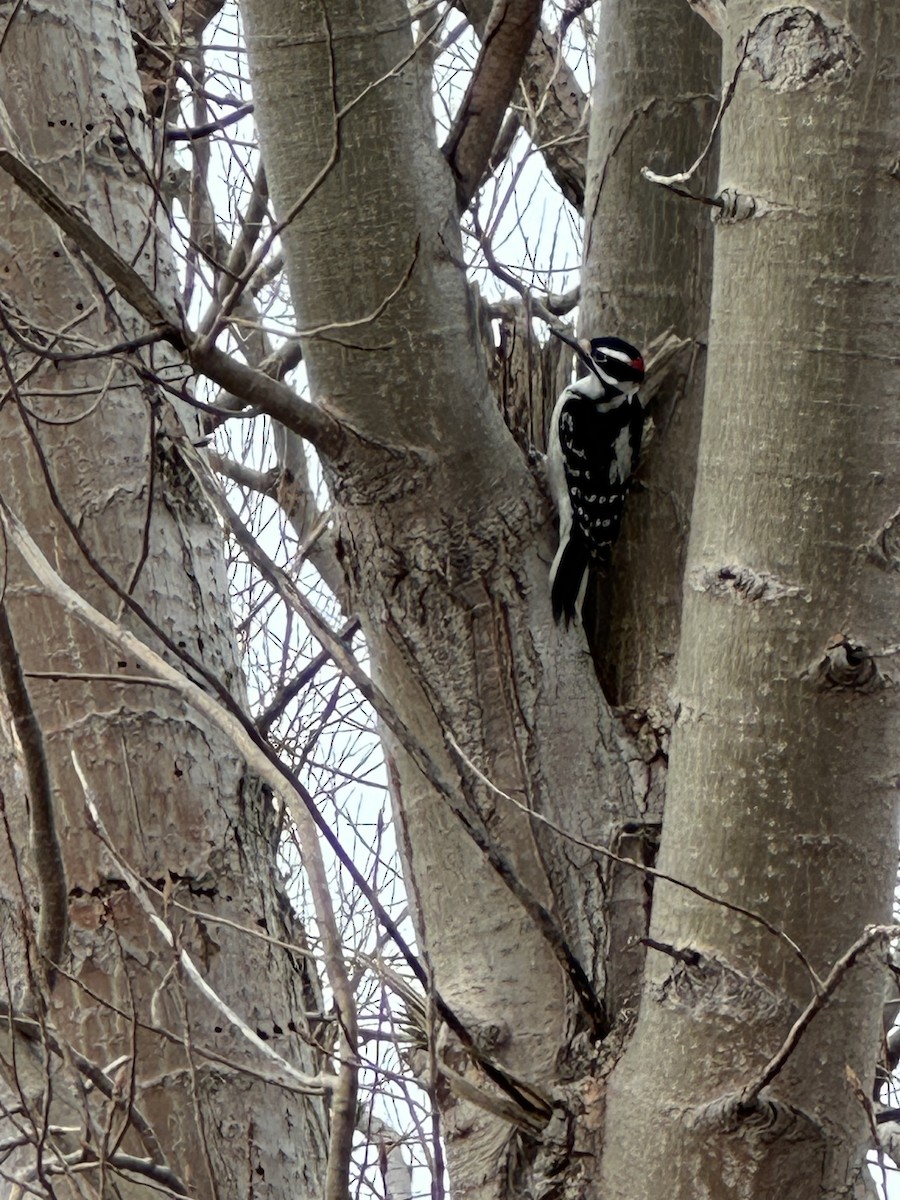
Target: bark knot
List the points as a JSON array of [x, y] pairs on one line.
[[705, 985], [795, 47], [741, 584], [846, 665], [742, 206], [765, 1120]]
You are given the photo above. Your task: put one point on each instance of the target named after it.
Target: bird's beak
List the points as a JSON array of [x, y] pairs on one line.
[[581, 348], [577, 346]]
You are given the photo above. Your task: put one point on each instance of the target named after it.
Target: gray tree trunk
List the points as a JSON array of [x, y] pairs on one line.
[[91, 464], [782, 781], [648, 268], [446, 539]]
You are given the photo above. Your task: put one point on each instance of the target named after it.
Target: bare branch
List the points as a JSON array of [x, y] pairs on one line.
[[558, 117], [141, 298], [274, 398], [33, 1034], [557, 108], [210, 127], [159, 1173], [508, 35], [875, 933], [263, 482], [538, 306], [397, 1171], [573, 10], [45, 848], [192, 16]]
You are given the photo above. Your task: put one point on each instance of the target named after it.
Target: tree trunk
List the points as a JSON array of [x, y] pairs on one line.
[[781, 796], [648, 268], [445, 536], [92, 465]]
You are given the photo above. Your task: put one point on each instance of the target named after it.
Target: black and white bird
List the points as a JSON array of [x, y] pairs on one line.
[[595, 437]]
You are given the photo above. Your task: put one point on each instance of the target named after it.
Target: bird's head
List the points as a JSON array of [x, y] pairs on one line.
[[616, 363]]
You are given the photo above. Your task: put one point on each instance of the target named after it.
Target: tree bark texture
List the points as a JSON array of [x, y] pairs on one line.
[[90, 454], [648, 268], [782, 781], [446, 538]]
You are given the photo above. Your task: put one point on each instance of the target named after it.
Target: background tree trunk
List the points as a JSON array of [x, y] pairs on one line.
[[648, 268], [91, 463]]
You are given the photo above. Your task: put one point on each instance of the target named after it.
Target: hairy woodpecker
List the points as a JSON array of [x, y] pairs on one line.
[[595, 436]]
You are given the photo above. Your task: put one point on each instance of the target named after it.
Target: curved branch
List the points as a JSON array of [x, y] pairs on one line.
[[508, 35]]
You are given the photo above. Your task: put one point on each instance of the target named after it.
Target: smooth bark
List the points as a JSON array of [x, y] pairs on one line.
[[781, 793], [648, 268]]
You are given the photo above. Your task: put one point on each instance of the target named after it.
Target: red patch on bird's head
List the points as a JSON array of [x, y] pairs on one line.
[[638, 364]]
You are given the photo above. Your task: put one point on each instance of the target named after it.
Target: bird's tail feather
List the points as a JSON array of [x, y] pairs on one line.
[[568, 580]]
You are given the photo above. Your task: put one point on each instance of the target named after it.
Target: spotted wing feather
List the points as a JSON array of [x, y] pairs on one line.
[[599, 454], [599, 442]]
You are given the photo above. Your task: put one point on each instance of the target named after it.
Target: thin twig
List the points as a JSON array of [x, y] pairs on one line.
[[210, 127], [684, 176], [875, 933], [646, 870], [33, 1031], [314, 1084], [289, 692]]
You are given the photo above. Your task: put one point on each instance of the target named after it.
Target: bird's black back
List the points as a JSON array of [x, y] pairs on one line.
[[600, 450]]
